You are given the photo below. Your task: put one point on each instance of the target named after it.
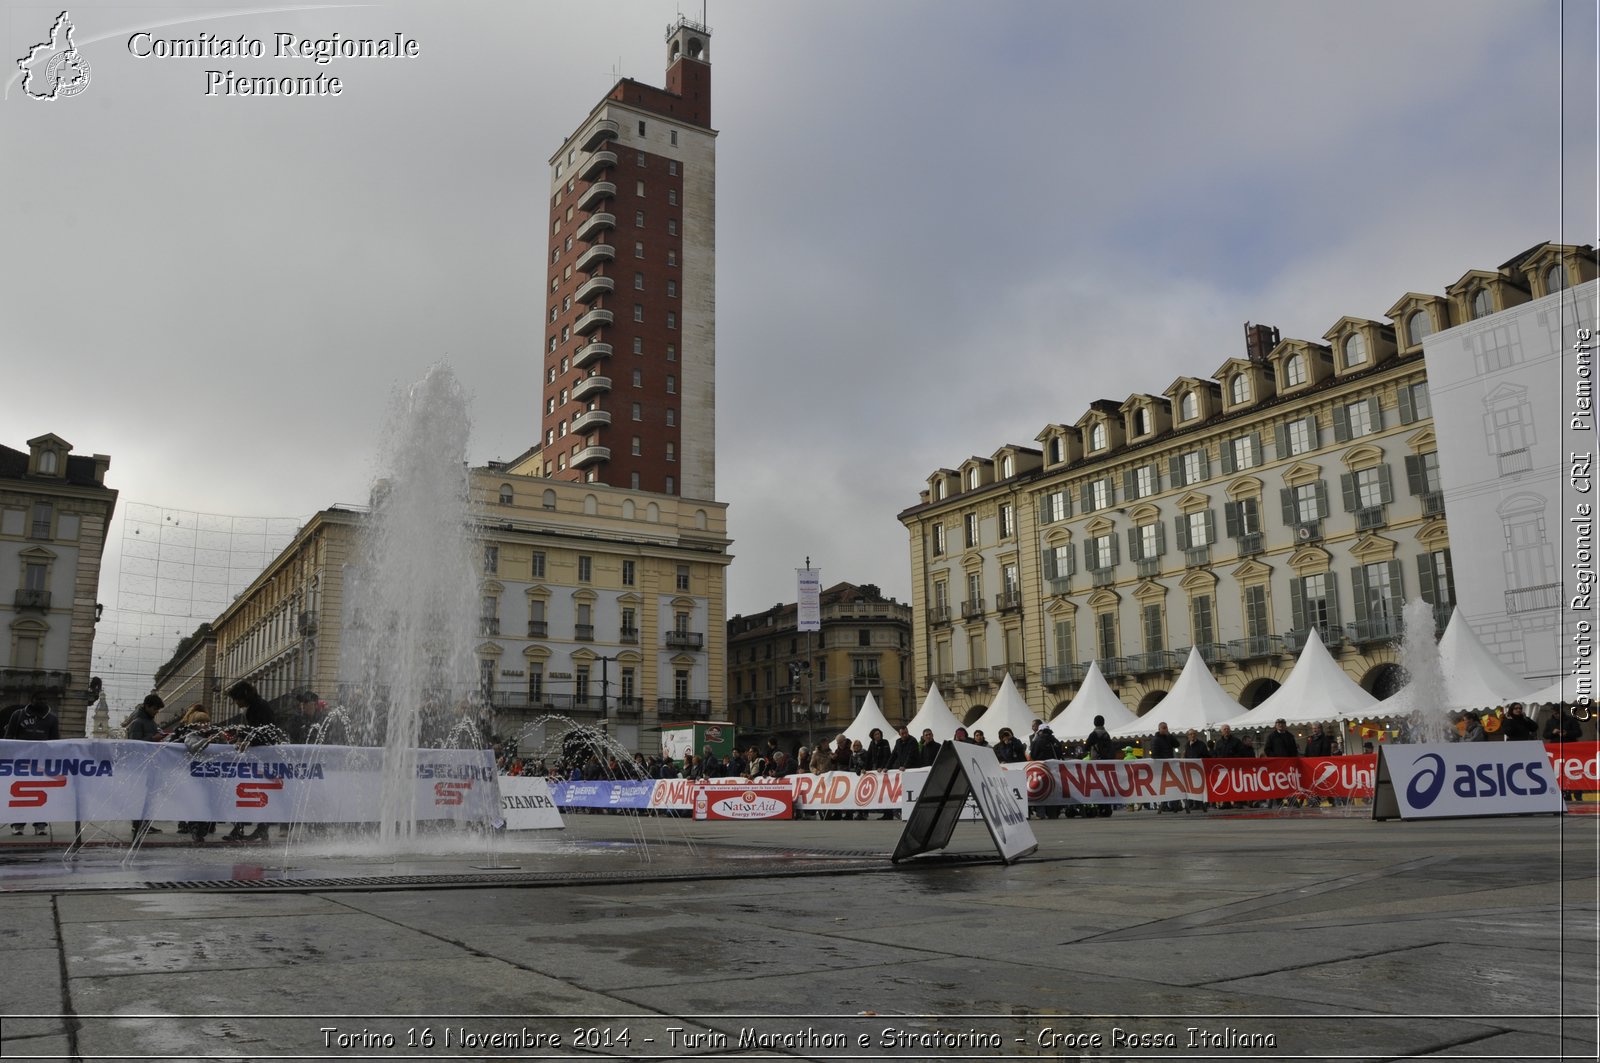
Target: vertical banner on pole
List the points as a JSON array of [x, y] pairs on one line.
[[810, 598]]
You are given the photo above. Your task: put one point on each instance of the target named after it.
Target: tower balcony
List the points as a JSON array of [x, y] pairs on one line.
[[595, 257], [596, 163], [598, 192], [593, 320], [591, 420], [599, 133], [596, 224], [594, 288], [591, 455], [590, 352], [591, 385]]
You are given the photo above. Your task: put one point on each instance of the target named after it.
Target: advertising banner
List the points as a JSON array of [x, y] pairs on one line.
[[526, 804], [1112, 782], [749, 800], [1577, 765], [1450, 779], [873, 791], [808, 582], [605, 793]]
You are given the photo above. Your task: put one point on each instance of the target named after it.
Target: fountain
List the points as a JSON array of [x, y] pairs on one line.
[[1425, 687]]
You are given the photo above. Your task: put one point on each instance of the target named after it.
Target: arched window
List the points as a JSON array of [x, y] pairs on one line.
[[1008, 466], [1294, 370], [506, 497], [1419, 326], [549, 500], [1481, 304], [1355, 350], [1188, 407], [1555, 279], [47, 462], [939, 490], [1141, 421], [1097, 437], [1239, 388], [972, 479], [1055, 449]]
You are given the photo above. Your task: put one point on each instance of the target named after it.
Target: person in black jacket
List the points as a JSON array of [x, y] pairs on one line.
[[34, 722], [1008, 748], [1516, 727], [879, 755], [927, 749], [260, 728], [1228, 743], [1099, 742], [1280, 742], [1319, 743], [904, 754]]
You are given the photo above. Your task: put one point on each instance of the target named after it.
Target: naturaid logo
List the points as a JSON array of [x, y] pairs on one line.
[[54, 69]]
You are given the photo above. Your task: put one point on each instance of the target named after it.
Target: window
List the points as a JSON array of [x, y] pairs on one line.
[[638, 415], [672, 417], [1437, 579], [1102, 552], [672, 197], [938, 539], [672, 352], [638, 345], [1239, 388], [638, 249], [1099, 495], [672, 258], [637, 447], [1482, 304], [35, 576], [641, 133], [1242, 453], [1555, 279], [506, 495], [1197, 529], [638, 219], [640, 157], [1242, 518], [638, 311], [43, 518], [1378, 599], [672, 320], [682, 576], [1106, 633], [1356, 420], [491, 561], [1097, 437], [1202, 620], [970, 524], [585, 568], [975, 588], [1146, 482], [628, 571], [550, 405], [633, 480], [1008, 467], [1141, 421], [672, 167], [1256, 623], [1355, 350], [672, 136], [1188, 407], [638, 378], [1367, 488], [535, 681], [671, 485], [1305, 503], [672, 384], [538, 565], [1008, 522], [1415, 405], [672, 289], [1422, 473], [672, 452], [672, 226], [1315, 604], [638, 282], [1148, 542], [1189, 468], [1419, 326], [1056, 452], [1059, 561], [1054, 507], [638, 188], [1294, 370], [1298, 437], [1154, 641]]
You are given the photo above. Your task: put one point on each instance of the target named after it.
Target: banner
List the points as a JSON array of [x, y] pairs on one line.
[[750, 800], [526, 804], [873, 791], [809, 582], [1577, 764], [1112, 782], [605, 793], [1440, 780], [89, 779]]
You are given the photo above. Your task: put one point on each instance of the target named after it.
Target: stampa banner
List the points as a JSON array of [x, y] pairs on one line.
[[84, 780]]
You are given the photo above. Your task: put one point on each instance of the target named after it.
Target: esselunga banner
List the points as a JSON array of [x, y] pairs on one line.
[[84, 780]]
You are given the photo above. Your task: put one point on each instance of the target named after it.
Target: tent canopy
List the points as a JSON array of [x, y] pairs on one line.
[[1474, 678], [1317, 691], [1094, 698], [1007, 710], [935, 716], [1195, 700], [869, 717]]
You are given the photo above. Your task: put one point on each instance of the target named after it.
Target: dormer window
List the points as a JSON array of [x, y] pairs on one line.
[[1419, 326], [47, 462], [972, 479], [1294, 370], [1239, 389], [1555, 279], [1188, 407], [1141, 421], [939, 490], [1355, 351], [1008, 467], [1481, 304], [1055, 450], [1097, 437]]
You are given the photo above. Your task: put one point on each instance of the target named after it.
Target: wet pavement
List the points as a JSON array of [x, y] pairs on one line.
[[1307, 934]]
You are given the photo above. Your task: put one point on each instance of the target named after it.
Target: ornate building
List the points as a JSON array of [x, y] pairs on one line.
[[55, 508], [1296, 487], [800, 689]]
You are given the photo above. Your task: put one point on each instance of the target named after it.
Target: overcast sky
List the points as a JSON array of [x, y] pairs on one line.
[[941, 226]]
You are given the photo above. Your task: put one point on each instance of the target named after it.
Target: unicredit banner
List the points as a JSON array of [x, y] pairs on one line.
[[84, 780]]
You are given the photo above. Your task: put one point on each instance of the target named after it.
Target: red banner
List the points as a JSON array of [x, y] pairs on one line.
[[1577, 764], [751, 800]]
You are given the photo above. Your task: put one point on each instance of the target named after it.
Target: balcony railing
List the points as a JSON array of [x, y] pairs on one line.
[[939, 614], [596, 162], [628, 635], [538, 629], [583, 632], [685, 640], [591, 421], [627, 706], [1149, 567], [1432, 503], [595, 224], [973, 677], [1332, 638], [1197, 557], [590, 385], [32, 599], [594, 319], [1375, 629], [1061, 586], [603, 130], [28, 680], [595, 257], [942, 680], [1250, 543], [972, 609], [1060, 675], [1210, 652], [683, 708], [488, 625], [1255, 647], [1007, 602], [1532, 599], [1152, 661], [589, 455], [1369, 518], [1515, 461], [595, 193], [592, 351], [566, 704], [1017, 672], [866, 680], [594, 288], [1114, 667], [1103, 577]]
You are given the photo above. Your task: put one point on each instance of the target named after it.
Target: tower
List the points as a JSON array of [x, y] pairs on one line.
[[628, 371]]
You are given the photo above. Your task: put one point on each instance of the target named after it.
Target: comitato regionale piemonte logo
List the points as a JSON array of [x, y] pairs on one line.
[[54, 69]]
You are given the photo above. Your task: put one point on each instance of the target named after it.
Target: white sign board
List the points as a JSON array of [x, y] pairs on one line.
[[809, 605], [525, 804], [1449, 779], [961, 774]]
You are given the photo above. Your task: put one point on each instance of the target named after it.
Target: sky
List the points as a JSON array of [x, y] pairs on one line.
[[941, 226]]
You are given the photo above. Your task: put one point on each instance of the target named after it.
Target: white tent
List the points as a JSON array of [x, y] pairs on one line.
[[1474, 678], [1561, 690], [869, 717], [1195, 700], [1317, 691], [935, 716], [1007, 710], [1094, 698]]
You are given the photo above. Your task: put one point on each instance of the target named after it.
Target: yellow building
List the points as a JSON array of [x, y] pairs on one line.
[[597, 603]]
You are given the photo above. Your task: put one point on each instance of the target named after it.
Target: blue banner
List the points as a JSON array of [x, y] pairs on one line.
[[603, 793]]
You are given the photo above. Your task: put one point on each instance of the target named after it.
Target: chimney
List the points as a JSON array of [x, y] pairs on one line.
[[1258, 341]]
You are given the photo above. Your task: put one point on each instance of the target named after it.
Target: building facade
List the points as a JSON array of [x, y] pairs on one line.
[[805, 687], [629, 366], [55, 509], [1296, 487], [596, 604], [1510, 369], [189, 677]]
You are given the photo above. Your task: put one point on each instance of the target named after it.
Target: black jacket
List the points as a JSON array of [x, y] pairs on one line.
[[1319, 745], [1164, 746], [33, 723], [1280, 744], [1231, 746]]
